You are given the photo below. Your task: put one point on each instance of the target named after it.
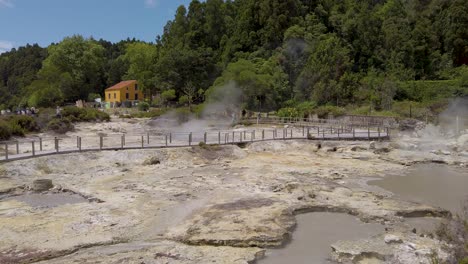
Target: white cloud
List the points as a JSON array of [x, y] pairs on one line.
[[148, 3], [6, 3], [5, 45]]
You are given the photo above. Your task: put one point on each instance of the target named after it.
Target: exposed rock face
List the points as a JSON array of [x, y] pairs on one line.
[[260, 222], [390, 248], [42, 185]]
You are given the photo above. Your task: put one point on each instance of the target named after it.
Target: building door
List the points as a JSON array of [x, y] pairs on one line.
[[136, 96]]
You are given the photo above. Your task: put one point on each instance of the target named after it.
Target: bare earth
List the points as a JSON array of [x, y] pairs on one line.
[[215, 204]]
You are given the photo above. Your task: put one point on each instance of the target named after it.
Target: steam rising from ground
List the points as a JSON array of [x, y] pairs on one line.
[[450, 135], [220, 111]]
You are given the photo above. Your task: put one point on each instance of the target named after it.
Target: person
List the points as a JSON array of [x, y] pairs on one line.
[[58, 112]]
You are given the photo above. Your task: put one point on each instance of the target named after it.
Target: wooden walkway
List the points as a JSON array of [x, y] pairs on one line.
[[39, 147]]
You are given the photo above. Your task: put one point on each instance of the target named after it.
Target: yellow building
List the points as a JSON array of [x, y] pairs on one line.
[[124, 91]]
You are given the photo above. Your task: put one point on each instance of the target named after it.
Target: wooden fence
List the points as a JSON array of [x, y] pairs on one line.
[[37, 147]]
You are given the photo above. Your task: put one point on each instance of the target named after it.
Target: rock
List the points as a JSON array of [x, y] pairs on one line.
[[411, 125], [42, 185], [382, 151], [358, 148], [389, 239], [152, 161], [372, 145]]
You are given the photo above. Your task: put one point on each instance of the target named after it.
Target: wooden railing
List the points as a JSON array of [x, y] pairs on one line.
[[44, 146]]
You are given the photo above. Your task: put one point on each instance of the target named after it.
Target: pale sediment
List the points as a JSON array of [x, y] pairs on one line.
[[196, 204]]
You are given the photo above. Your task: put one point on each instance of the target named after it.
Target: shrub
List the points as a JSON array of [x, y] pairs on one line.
[[5, 131], [143, 106], [75, 114], [288, 112], [325, 111], [150, 114], [60, 126]]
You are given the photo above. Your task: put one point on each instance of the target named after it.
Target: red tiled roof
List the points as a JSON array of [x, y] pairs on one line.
[[121, 85]]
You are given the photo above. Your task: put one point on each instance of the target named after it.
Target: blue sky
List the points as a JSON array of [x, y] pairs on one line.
[[47, 21]]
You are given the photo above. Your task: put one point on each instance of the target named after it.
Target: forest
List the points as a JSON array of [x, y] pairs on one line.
[[369, 55]]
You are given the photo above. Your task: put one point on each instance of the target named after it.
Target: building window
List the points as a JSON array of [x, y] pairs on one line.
[[136, 97], [108, 95], [126, 95], [115, 95], [136, 87], [127, 88]]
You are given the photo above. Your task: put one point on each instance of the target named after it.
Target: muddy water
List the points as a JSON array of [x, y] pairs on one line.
[[315, 233], [48, 200], [433, 184]]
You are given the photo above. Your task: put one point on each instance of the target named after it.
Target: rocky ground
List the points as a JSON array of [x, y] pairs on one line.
[[223, 204]]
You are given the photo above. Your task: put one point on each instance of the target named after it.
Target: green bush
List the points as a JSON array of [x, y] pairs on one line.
[[325, 111], [288, 112], [150, 114], [23, 123], [75, 114], [143, 106], [60, 126], [5, 131]]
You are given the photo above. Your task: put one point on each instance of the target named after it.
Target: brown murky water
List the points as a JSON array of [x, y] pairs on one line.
[[433, 184], [311, 241]]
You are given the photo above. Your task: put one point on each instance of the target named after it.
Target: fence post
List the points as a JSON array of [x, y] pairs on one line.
[[147, 138], [101, 142], [142, 141], [123, 137], [56, 144], [166, 139], [170, 137], [40, 144], [233, 136], [292, 132], [240, 136], [219, 137], [388, 132], [354, 133], [33, 149], [79, 144], [368, 133], [378, 130], [303, 131], [204, 137], [122, 140], [338, 134], [17, 147], [6, 151], [190, 139], [263, 134], [252, 135]]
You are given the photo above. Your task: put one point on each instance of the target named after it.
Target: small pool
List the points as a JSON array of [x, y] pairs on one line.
[[432, 184], [311, 241]]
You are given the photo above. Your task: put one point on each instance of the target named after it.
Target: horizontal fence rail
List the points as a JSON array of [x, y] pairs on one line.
[[37, 147]]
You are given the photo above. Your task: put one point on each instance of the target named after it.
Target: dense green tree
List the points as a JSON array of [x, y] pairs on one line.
[[275, 51], [141, 58], [75, 67]]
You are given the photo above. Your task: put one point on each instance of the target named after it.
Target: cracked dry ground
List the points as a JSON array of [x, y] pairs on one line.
[[220, 204]]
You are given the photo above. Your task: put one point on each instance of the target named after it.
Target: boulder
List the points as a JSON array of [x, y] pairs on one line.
[[42, 185], [411, 125], [389, 239]]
